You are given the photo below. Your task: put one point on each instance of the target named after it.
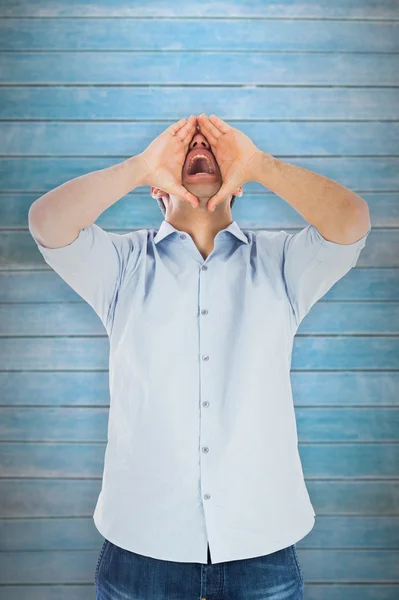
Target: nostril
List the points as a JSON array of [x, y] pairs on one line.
[[203, 143], [195, 143]]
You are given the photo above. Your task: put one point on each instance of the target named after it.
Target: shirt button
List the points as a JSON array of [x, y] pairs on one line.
[[205, 357], [205, 403], [205, 449], [204, 267], [207, 496], [204, 311], [183, 236]]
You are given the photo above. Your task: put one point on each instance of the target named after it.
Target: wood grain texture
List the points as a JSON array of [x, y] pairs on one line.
[[115, 139], [85, 84], [155, 68], [250, 102], [321, 9], [226, 35]]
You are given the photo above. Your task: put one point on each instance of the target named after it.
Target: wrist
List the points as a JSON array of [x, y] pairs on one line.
[[137, 171], [265, 165]]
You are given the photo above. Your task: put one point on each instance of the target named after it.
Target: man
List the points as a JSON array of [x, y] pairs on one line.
[[203, 492]]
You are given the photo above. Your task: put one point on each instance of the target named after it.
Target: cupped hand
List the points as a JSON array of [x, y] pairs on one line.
[[236, 154], [162, 161]]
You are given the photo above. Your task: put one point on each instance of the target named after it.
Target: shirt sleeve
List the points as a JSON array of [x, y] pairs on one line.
[[93, 265], [312, 264]]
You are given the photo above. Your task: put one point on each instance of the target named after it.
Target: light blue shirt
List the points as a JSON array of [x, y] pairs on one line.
[[202, 440]]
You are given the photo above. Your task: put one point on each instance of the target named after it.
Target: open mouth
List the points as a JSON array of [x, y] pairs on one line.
[[200, 165]]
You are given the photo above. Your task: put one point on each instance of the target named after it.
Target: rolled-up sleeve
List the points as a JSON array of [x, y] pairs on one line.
[[312, 264], [93, 265]]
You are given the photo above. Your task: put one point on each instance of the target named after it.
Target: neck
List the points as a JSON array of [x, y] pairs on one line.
[[201, 224]]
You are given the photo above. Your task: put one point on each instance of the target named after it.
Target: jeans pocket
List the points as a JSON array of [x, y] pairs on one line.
[[100, 558], [298, 566]]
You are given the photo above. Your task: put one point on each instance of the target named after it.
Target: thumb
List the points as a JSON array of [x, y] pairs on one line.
[[222, 194], [183, 194]]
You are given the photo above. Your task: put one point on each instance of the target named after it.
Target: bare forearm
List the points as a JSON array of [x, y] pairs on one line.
[[338, 213], [57, 217]]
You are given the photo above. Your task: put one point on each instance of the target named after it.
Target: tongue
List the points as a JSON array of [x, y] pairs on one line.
[[200, 166]]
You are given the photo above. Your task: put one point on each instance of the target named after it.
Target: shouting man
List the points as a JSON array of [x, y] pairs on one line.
[[203, 494]]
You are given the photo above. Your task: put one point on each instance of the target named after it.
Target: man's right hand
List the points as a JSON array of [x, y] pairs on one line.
[[237, 156], [162, 161]]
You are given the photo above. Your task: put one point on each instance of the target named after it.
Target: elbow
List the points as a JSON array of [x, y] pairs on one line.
[[357, 224]]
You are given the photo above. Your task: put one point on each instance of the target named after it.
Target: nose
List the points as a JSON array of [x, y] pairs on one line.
[[198, 141]]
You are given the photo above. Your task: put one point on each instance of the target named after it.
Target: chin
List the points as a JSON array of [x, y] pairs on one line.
[[203, 190]]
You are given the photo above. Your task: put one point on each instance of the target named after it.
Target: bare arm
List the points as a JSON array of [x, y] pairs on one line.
[[56, 218], [338, 213]]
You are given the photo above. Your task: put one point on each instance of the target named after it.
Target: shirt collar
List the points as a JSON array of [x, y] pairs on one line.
[[167, 228]]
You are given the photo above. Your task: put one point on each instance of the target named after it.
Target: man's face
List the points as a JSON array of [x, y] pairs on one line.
[[201, 174]]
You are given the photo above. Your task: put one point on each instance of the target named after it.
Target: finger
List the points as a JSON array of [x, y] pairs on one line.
[[183, 194], [187, 131], [218, 198], [209, 127], [219, 123], [174, 128]]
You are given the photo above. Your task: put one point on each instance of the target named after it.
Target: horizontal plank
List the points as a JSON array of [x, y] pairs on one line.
[[348, 353], [78, 318], [359, 283], [334, 591], [266, 210], [23, 498], [81, 424], [313, 591], [211, 69], [43, 534], [77, 566], [347, 9], [325, 353], [197, 35], [92, 388], [71, 592], [123, 103], [29, 174], [279, 139], [81, 460], [19, 251]]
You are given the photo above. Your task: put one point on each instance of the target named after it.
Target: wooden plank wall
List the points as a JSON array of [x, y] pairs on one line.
[[85, 84]]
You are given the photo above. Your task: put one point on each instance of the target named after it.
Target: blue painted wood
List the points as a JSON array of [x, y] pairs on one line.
[[279, 139], [334, 106], [80, 460], [338, 424], [252, 210], [28, 498], [78, 534], [312, 592], [38, 175], [323, 353], [77, 566], [361, 283], [63, 592], [322, 9], [19, 251], [198, 35], [344, 318], [310, 388], [230, 103], [157, 68]]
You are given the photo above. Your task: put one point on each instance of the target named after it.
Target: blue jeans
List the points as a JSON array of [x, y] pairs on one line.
[[124, 575]]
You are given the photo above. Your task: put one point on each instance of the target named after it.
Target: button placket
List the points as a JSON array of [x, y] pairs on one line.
[[204, 358]]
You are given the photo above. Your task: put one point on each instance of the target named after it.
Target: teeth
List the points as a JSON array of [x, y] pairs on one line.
[[207, 160]]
